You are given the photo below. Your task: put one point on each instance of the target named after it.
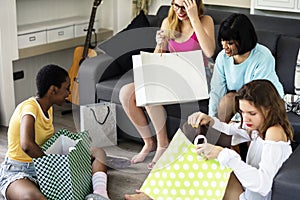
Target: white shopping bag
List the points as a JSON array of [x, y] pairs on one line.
[[168, 78], [99, 120]]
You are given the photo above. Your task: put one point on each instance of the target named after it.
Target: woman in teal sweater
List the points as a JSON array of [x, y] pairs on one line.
[[241, 61]]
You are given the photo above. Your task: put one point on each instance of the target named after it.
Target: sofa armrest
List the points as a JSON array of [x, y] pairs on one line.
[[286, 184], [89, 74]]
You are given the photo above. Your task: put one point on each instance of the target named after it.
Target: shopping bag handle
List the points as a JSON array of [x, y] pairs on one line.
[[101, 123], [198, 137]]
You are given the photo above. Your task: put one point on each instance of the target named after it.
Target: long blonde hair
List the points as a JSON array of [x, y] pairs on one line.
[[174, 25]]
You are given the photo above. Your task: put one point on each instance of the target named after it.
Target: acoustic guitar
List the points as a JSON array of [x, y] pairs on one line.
[[80, 54]]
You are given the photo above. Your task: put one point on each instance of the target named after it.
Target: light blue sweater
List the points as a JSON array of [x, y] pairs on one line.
[[229, 76]]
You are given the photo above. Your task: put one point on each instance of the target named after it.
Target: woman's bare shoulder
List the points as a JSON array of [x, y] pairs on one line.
[[164, 23], [276, 133]]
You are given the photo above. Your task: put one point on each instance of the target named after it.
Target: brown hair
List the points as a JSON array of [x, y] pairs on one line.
[[174, 25], [263, 94]]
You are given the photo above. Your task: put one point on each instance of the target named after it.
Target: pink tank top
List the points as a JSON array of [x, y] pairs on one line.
[[190, 45]]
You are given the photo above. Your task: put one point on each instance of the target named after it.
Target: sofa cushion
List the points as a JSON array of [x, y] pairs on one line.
[[268, 39], [295, 122], [109, 90], [129, 42], [138, 22], [286, 26], [217, 15], [287, 51]]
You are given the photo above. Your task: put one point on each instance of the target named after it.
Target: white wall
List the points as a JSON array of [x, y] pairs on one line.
[[233, 3], [156, 4], [31, 11], [8, 52]]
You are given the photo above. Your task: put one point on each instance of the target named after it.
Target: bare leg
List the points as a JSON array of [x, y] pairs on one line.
[[234, 188], [24, 189], [99, 175], [139, 120], [158, 118], [99, 160], [226, 107]]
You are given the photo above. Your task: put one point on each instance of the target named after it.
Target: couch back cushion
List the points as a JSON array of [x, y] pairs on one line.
[[284, 26], [161, 14], [268, 39], [138, 22], [124, 44], [287, 52]]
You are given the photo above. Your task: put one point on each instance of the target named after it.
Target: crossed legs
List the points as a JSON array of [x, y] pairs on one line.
[[139, 120]]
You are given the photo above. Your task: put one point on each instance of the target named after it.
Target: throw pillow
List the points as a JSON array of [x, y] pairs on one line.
[[138, 22]]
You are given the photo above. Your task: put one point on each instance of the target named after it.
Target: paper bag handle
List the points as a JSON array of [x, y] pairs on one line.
[[94, 114], [200, 137]]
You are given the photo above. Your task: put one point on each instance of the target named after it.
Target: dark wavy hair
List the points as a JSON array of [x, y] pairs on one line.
[[263, 94], [50, 75], [238, 27]]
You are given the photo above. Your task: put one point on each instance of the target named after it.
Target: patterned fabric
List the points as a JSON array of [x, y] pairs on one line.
[[67, 176], [292, 103], [181, 174], [138, 5]]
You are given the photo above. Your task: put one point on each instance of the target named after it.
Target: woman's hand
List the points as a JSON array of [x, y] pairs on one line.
[[191, 8], [199, 118], [208, 151], [160, 37]]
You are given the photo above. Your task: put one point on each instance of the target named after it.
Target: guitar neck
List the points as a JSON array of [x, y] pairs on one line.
[[90, 29]]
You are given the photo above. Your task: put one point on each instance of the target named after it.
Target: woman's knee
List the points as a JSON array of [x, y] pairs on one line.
[[98, 153], [226, 107], [127, 94], [228, 99], [24, 189]]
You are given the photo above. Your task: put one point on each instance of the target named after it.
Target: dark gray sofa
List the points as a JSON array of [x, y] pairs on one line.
[[102, 77]]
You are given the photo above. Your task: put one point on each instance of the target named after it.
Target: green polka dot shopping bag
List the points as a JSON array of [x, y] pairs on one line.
[[181, 174]]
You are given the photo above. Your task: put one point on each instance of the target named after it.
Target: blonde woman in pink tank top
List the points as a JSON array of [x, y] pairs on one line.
[[185, 29]]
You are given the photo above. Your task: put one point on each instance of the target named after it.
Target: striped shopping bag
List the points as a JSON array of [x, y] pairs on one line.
[[181, 173], [65, 172]]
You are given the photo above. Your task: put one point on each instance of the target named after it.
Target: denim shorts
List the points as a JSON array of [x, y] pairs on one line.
[[12, 170]]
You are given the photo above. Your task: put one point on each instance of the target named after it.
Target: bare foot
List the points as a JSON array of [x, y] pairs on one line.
[[139, 196], [140, 157], [158, 154]]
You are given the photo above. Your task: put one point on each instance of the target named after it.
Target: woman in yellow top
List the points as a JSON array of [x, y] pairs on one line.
[[29, 128]]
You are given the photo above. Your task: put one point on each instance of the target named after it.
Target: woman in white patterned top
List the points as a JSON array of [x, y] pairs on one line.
[[265, 127]]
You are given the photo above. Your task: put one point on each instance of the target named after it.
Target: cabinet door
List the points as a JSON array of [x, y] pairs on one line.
[[276, 3]]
